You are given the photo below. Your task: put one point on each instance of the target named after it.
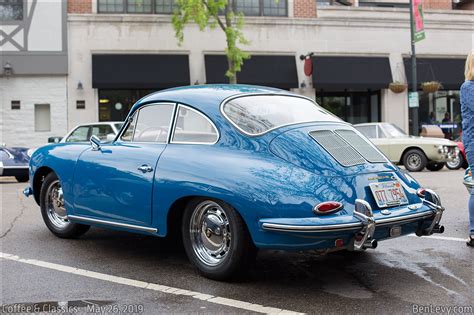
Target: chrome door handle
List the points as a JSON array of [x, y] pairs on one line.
[[145, 168]]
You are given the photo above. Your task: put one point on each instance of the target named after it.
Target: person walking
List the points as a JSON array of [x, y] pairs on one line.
[[467, 112]]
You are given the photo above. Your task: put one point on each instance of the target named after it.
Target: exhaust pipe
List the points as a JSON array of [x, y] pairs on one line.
[[371, 244], [438, 229]]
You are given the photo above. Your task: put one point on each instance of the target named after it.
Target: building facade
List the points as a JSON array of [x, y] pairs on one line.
[[121, 50], [33, 71]]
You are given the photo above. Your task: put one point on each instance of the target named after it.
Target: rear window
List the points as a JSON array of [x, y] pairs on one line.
[[258, 114]]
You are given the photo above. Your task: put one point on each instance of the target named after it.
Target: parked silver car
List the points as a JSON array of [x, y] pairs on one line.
[[105, 131]]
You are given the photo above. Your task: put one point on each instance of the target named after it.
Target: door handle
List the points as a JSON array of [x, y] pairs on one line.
[[145, 168]]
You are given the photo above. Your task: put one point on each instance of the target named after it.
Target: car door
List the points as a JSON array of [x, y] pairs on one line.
[[115, 182], [383, 143]]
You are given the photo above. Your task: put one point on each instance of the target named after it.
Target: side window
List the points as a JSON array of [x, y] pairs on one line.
[[79, 135], [102, 131], [150, 124], [381, 132], [193, 127], [368, 131]]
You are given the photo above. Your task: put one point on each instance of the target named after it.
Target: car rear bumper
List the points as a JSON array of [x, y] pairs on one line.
[[6, 170], [358, 231]]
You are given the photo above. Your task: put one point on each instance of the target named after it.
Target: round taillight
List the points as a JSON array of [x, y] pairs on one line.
[[421, 192], [328, 207]]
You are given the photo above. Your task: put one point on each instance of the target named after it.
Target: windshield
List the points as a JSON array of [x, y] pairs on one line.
[[258, 114], [118, 126], [393, 131]]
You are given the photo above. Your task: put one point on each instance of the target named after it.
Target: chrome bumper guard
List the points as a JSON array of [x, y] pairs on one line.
[[433, 202]]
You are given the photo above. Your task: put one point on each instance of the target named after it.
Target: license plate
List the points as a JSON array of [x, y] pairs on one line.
[[388, 194]]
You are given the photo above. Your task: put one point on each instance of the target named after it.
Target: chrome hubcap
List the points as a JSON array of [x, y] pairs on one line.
[[454, 162], [210, 233], [414, 160], [55, 202]]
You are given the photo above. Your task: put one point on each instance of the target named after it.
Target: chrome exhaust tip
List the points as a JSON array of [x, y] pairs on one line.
[[438, 229], [371, 244]]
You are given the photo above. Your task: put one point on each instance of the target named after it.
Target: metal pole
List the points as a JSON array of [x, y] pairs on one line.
[[414, 85]]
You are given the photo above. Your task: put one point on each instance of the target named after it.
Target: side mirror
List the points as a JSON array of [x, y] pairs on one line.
[[95, 143], [110, 137]]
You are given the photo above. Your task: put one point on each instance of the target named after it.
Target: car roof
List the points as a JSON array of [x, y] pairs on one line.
[[206, 98], [370, 124], [100, 123]]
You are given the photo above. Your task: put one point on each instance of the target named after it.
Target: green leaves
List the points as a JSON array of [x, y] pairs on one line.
[[209, 13]]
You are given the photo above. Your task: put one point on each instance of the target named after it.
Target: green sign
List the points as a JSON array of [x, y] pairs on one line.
[[418, 21], [413, 100]]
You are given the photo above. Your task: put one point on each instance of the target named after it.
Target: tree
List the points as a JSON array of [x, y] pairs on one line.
[[215, 13]]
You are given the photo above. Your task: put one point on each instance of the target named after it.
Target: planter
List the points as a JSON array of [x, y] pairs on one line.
[[430, 87], [397, 87]]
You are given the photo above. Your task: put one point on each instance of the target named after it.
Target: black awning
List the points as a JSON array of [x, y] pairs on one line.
[[113, 71], [274, 71], [448, 71], [351, 73]]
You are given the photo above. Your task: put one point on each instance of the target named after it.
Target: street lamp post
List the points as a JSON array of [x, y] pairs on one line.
[[414, 88]]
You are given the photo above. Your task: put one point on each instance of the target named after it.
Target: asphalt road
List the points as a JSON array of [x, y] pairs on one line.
[[119, 271]]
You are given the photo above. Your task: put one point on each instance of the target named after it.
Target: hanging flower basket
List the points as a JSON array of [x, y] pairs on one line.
[[431, 86], [397, 87]]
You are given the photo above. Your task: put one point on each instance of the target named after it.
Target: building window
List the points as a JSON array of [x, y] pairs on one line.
[[261, 7], [11, 10], [247, 7], [111, 6], [42, 117], [139, 6], [165, 6], [15, 104]]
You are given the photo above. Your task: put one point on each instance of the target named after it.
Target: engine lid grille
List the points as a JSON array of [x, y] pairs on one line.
[[347, 147]]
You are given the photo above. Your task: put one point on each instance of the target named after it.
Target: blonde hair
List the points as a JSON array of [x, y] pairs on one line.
[[469, 71]]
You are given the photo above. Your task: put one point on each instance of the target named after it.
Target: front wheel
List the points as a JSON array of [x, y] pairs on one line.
[[216, 239], [455, 163], [434, 167], [53, 210], [414, 160]]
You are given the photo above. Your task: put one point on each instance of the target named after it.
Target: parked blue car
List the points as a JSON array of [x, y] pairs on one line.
[[232, 168], [14, 162]]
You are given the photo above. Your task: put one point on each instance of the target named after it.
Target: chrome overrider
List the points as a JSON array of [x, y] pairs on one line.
[[365, 228]]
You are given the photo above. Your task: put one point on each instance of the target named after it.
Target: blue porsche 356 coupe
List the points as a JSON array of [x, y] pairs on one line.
[[233, 168]]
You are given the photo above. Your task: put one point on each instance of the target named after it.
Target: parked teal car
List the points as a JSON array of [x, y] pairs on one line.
[[232, 168]]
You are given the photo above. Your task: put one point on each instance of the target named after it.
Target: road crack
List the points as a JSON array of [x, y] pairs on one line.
[[22, 210]]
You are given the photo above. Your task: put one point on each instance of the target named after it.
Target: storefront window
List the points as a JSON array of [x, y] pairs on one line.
[[353, 107], [114, 105], [442, 108]]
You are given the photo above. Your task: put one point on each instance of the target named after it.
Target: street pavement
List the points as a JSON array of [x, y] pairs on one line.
[[111, 271]]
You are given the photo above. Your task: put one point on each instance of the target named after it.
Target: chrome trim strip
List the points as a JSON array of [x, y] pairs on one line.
[[276, 93], [15, 167], [171, 141], [344, 226], [111, 223]]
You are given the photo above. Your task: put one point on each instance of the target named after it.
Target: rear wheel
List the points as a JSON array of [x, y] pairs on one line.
[[455, 163], [53, 210], [414, 160], [434, 167], [22, 178], [216, 239]]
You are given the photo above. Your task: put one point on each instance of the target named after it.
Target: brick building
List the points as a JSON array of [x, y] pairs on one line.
[[120, 50]]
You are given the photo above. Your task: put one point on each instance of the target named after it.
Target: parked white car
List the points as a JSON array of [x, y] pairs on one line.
[[105, 131], [415, 153]]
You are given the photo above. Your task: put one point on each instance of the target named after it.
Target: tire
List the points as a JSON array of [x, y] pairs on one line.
[[414, 160], [216, 239], [456, 163], [53, 211], [22, 178], [434, 167]]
